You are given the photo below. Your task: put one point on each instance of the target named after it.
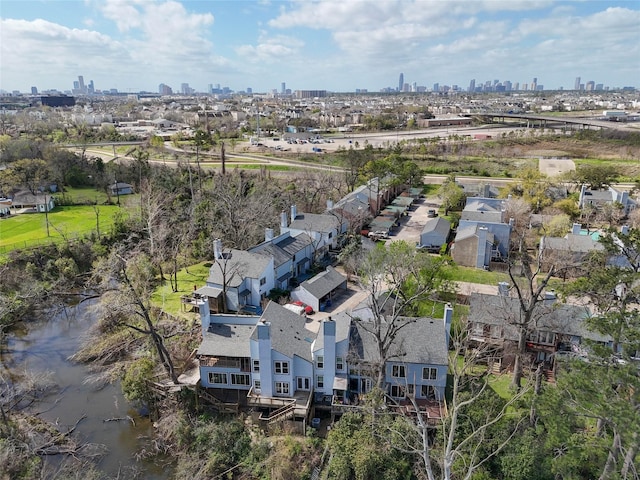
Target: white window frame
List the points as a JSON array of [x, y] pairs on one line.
[[282, 388], [303, 383], [281, 367], [429, 373], [398, 391], [238, 376], [257, 385], [320, 362], [320, 381], [399, 371], [256, 366], [339, 363], [213, 375]]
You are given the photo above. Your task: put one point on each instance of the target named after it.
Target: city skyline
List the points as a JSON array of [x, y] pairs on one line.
[[131, 46]]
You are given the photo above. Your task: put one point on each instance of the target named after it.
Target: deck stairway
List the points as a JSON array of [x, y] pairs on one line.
[[283, 413]]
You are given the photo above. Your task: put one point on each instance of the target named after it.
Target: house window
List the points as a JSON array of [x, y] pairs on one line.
[[428, 392], [256, 384], [429, 373], [320, 361], [256, 365], [282, 368], [263, 281], [320, 381], [397, 391], [330, 234], [240, 379], [282, 388], [545, 338], [218, 378], [410, 389], [339, 363], [304, 383], [398, 371]]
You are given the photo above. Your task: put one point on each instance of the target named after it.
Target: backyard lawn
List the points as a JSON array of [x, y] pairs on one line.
[[26, 230], [193, 276]]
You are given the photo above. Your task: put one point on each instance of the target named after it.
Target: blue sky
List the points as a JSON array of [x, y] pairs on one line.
[[135, 45]]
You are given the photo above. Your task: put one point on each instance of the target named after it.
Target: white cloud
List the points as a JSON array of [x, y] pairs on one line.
[[271, 48]]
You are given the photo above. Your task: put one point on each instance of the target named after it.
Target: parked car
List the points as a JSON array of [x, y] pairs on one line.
[[308, 309]]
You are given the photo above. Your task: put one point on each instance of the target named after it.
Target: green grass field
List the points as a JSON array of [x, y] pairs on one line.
[[27, 230], [475, 275], [169, 301], [83, 196]]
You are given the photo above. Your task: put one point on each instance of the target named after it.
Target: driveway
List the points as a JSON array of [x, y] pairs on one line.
[[411, 226]]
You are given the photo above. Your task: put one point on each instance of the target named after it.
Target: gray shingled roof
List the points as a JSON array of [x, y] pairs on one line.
[[238, 265], [324, 283], [288, 333], [438, 224], [572, 243], [292, 245], [555, 317], [315, 222], [223, 340], [421, 341], [470, 231], [343, 326], [481, 216]]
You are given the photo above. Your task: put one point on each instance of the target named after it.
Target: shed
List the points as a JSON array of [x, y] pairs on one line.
[[319, 290]]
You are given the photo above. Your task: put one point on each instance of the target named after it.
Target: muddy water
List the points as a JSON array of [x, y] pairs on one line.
[[45, 347]]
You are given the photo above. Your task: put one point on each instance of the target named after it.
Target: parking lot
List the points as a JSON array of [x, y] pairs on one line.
[[411, 225]]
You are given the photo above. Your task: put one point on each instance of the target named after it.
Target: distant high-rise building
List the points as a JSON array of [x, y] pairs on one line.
[[472, 85], [599, 86], [534, 84], [591, 86], [165, 89], [507, 86], [576, 86], [283, 88], [185, 89], [34, 90], [436, 87], [401, 82], [81, 83], [249, 90], [516, 86], [91, 89], [76, 87]]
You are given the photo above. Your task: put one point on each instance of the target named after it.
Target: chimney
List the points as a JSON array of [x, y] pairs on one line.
[[503, 289], [448, 318], [205, 314], [283, 219], [583, 190], [329, 204], [268, 234], [482, 247], [576, 228], [263, 330], [549, 297], [217, 249], [329, 333], [294, 213], [624, 230]]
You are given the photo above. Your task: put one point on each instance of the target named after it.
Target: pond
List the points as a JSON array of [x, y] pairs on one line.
[[45, 347]]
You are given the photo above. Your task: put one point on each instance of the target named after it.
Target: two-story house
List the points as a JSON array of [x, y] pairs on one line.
[[292, 255], [483, 235], [239, 280], [324, 229], [555, 328], [278, 364]]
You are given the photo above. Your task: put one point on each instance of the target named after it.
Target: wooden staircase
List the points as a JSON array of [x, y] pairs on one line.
[[219, 405], [280, 415]]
